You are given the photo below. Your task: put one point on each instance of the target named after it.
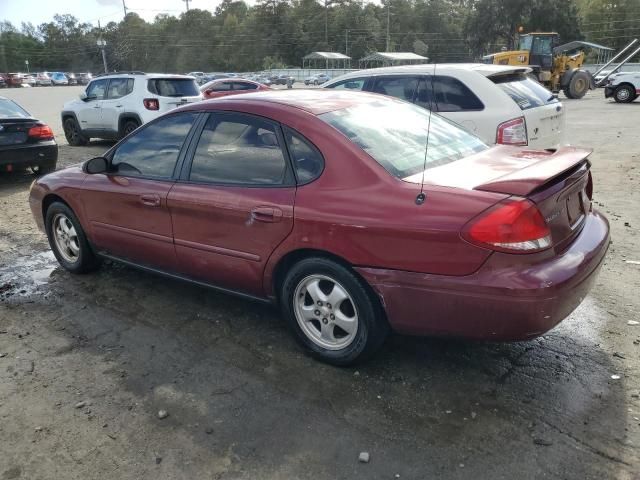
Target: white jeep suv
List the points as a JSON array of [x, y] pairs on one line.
[[114, 105]]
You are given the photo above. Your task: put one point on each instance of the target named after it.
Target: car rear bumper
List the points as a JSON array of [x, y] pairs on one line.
[[503, 300], [608, 92], [26, 155]]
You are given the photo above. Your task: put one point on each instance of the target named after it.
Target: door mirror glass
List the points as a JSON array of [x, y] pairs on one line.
[[96, 165], [83, 96]]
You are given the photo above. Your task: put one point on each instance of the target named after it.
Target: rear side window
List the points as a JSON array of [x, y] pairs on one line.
[[454, 96], [244, 86], [307, 159], [119, 87], [222, 87], [173, 87], [399, 87], [240, 150], [350, 84], [525, 91], [9, 109]]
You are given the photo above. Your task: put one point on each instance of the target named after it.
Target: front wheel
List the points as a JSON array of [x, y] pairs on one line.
[[73, 134], [333, 314], [68, 240], [624, 94]]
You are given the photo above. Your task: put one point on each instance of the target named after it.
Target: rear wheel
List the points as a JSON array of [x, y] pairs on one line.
[[68, 240], [624, 94], [578, 85], [333, 314], [128, 127], [73, 134]]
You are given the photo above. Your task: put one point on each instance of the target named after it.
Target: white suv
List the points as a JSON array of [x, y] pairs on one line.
[[498, 103], [114, 105], [624, 87]]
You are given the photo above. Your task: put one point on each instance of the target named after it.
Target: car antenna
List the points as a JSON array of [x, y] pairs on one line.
[[421, 196]]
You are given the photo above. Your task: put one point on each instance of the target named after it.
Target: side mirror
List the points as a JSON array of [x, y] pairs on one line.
[[83, 96], [96, 165]]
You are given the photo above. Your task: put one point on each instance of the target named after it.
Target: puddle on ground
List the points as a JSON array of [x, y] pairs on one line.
[[27, 274]]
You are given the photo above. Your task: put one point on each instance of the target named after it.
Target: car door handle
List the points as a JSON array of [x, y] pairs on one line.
[[151, 200], [118, 106], [96, 106], [266, 214]]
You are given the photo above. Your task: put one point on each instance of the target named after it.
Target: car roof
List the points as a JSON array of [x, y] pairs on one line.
[[315, 101], [485, 69]]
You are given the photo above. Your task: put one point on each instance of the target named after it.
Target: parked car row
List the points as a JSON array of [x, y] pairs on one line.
[[40, 79]]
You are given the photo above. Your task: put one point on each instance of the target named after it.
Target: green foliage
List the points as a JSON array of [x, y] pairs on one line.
[[276, 33]]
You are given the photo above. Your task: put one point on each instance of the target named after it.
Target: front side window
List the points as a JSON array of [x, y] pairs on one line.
[[173, 87], [153, 151], [97, 89], [454, 96], [399, 87], [307, 159], [395, 135], [238, 149], [119, 87], [350, 84]]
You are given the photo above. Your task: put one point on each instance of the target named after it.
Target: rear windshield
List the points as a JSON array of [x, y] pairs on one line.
[[173, 87], [395, 134], [9, 109], [525, 91]]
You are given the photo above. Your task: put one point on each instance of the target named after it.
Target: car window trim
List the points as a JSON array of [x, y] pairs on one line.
[[289, 179], [109, 154]]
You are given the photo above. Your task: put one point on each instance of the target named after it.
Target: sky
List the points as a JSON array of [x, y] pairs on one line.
[[40, 11]]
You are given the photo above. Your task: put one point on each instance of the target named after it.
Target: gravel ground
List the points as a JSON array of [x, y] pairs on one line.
[[87, 362]]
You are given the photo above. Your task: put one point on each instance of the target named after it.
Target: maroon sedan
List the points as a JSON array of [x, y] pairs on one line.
[[230, 86], [328, 204]]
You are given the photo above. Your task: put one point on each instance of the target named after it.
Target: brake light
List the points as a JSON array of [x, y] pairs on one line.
[[151, 103], [513, 226], [41, 132], [512, 132]]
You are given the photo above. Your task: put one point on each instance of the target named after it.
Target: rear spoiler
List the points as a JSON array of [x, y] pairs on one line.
[[552, 164]]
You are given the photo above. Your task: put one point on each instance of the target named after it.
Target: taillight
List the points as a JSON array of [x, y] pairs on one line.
[[41, 132], [512, 132], [151, 103], [513, 226]]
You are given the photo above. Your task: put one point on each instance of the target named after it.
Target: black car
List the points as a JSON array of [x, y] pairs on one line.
[[24, 141], [84, 78], [72, 78]]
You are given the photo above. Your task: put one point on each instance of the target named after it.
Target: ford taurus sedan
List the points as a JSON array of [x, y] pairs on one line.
[[357, 214]]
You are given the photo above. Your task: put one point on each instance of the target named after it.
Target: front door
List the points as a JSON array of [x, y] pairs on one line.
[[89, 116], [127, 208], [234, 204]]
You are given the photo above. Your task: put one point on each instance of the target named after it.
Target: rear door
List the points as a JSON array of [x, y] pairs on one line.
[[543, 113], [127, 207], [112, 105], [234, 203], [173, 92]]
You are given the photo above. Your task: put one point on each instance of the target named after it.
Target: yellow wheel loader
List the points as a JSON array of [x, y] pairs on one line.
[[555, 66]]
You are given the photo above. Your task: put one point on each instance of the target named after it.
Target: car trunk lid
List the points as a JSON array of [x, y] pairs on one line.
[[15, 131], [557, 181]]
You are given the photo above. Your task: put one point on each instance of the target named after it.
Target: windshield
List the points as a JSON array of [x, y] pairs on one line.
[[173, 87], [9, 109], [526, 92], [395, 135]]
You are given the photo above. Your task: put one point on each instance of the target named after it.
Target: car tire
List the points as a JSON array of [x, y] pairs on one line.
[[68, 240], [73, 133], [305, 297], [315, 82], [624, 94], [128, 127]]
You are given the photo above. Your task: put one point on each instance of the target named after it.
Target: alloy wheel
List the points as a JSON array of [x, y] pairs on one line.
[[325, 312], [66, 238]]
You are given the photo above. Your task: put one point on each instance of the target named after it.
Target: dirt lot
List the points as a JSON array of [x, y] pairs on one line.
[[88, 361]]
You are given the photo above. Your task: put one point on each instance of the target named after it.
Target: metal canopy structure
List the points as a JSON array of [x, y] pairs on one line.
[[603, 53], [392, 58], [326, 60]]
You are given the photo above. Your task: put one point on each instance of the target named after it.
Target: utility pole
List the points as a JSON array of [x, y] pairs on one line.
[[124, 7], [346, 42], [101, 45], [326, 22], [187, 2], [388, 19]]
